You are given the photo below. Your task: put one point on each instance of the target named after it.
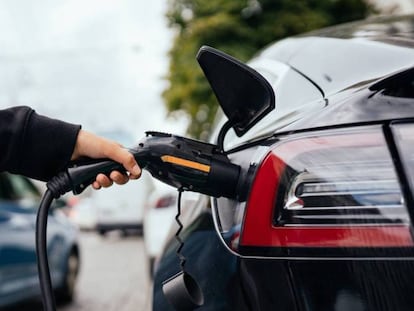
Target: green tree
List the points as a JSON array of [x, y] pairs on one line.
[[240, 28]]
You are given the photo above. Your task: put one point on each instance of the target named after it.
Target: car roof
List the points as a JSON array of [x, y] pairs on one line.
[[339, 57]]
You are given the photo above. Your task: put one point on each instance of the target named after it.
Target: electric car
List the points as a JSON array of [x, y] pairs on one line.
[[322, 128], [19, 199]]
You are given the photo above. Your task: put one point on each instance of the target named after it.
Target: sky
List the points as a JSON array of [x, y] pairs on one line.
[[98, 63]]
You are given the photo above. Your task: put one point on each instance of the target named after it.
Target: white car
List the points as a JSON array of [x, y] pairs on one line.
[[82, 212], [122, 207], [159, 219]]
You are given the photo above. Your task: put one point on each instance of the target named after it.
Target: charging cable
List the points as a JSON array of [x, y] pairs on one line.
[[41, 250], [56, 187]]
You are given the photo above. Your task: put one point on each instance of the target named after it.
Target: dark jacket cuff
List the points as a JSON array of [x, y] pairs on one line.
[[49, 145]]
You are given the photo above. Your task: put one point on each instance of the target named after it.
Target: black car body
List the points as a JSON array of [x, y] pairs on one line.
[[326, 221]]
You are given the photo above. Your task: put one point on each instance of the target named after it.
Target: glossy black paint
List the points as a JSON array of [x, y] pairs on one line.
[[339, 57], [389, 99], [206, 255], [353, 285], [369, 80], [251, 96]]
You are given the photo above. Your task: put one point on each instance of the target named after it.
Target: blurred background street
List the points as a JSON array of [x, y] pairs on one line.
[[101, 64], [113, 276]]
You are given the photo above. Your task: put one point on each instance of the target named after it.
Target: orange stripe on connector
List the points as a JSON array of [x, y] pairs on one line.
[[186, 163]]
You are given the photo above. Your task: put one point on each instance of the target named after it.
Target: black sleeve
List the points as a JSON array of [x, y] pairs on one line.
[[34, 145]]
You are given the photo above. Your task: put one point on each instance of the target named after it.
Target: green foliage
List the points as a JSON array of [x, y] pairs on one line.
[[240, 28]]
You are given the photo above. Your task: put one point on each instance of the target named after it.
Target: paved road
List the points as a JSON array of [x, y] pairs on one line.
[[113, 276]]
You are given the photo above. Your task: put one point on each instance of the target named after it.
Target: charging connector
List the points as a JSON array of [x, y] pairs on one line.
[[183, 163]]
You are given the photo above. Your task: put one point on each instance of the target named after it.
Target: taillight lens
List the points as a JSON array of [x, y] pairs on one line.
[[335, 189]]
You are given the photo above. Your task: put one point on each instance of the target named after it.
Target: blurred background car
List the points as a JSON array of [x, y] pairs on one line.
[[121, 207], [159, 220], [82, 212], [159, 216], [19, 200]]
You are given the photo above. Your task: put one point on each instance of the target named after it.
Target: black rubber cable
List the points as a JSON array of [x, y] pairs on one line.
[[177, 234], [41, 251]]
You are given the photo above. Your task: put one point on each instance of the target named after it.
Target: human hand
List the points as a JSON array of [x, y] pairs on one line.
[[93, 146]]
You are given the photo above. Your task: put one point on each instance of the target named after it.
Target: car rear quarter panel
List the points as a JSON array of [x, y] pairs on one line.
[[208, 262]]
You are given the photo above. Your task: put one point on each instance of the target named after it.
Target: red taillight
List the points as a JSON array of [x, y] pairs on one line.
[[165, 201], [72, 201], [327, 190]]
